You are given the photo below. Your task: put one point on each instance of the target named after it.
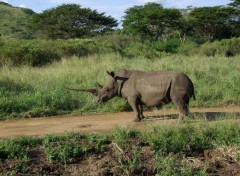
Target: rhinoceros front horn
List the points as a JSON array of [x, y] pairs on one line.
[[93, 91], [99, 85]]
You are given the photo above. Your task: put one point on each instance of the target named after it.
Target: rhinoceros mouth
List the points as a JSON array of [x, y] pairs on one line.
[[103, 100], [99, 101]]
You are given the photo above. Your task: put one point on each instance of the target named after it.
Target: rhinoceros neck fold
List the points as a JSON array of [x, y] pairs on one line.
[[122, 81]]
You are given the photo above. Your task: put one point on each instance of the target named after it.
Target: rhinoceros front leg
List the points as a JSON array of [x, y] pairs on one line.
[[136, 109]]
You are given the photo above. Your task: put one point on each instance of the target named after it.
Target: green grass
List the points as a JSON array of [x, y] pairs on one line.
[[190, 138], [122, 136], [14, 21], [17, 148], [169, 146], [70, 148], [31, 92]]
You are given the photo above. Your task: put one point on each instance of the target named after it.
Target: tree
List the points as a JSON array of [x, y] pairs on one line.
[[71, 21], [215, 22], [151, 21], [235, 3]]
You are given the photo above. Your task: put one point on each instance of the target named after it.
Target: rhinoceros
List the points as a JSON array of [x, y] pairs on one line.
[[146, 88]]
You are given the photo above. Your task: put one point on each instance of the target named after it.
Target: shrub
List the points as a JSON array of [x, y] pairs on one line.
[[76, 47], [169, 46], [225, 47], [34, 52]]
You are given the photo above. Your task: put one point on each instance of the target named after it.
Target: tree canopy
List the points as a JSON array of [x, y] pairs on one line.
[[71, 21], [151, 20], [235, 3], [208, 23], [215, 22]]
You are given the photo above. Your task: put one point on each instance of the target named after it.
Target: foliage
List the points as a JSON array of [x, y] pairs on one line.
[[177, 141], [151, 21], [235, 3], [72, 147], [34, 52], [169, 46], [41, 52], [167, 165], [198, 138], [98, 142], [215, 22], [122, 136], [71, 21], [17, 148], [226, 47], [130, 165], [155, 22]]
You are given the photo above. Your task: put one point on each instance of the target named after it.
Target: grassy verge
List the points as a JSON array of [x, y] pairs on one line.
[[31, 92], [168, 150]]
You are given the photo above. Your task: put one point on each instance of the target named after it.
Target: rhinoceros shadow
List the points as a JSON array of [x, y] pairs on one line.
[[199, 116]]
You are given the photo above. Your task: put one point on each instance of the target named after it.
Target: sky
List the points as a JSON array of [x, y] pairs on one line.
[[112, 8]]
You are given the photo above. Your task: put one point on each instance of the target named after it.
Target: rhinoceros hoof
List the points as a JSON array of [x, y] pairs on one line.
[[136, 120]]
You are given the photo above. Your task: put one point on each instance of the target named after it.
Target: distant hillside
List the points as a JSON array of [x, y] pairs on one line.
[[13, 21]]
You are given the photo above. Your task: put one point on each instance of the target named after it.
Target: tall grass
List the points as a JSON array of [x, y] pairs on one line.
[[31, 91]]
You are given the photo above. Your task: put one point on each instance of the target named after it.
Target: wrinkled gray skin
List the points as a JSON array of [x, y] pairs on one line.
[[147, 88]]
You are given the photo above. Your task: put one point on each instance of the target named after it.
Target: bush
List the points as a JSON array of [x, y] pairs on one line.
[[41, 52], [169, 46], [76, 47], [34, 52], [225, 47]]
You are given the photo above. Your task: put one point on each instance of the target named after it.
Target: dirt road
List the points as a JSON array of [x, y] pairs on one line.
[[96, 123]]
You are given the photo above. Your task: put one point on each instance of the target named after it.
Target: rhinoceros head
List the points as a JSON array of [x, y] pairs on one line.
[[108, 91]]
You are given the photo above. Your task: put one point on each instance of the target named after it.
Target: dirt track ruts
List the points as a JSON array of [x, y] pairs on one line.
[[95, 123]]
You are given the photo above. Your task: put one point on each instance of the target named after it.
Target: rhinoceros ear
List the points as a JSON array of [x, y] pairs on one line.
[[112, 74]]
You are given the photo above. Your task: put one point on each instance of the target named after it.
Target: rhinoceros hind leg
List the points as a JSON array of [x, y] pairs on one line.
[[183, 109], [141, 112]]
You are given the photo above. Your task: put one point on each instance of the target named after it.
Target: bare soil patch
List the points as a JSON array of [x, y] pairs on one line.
[[99, 123]]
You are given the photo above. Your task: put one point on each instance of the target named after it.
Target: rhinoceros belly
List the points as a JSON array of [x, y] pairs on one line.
[[155, 97]]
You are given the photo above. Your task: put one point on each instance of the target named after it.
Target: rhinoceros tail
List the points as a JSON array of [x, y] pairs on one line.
[[193, 94], [194, 97]]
